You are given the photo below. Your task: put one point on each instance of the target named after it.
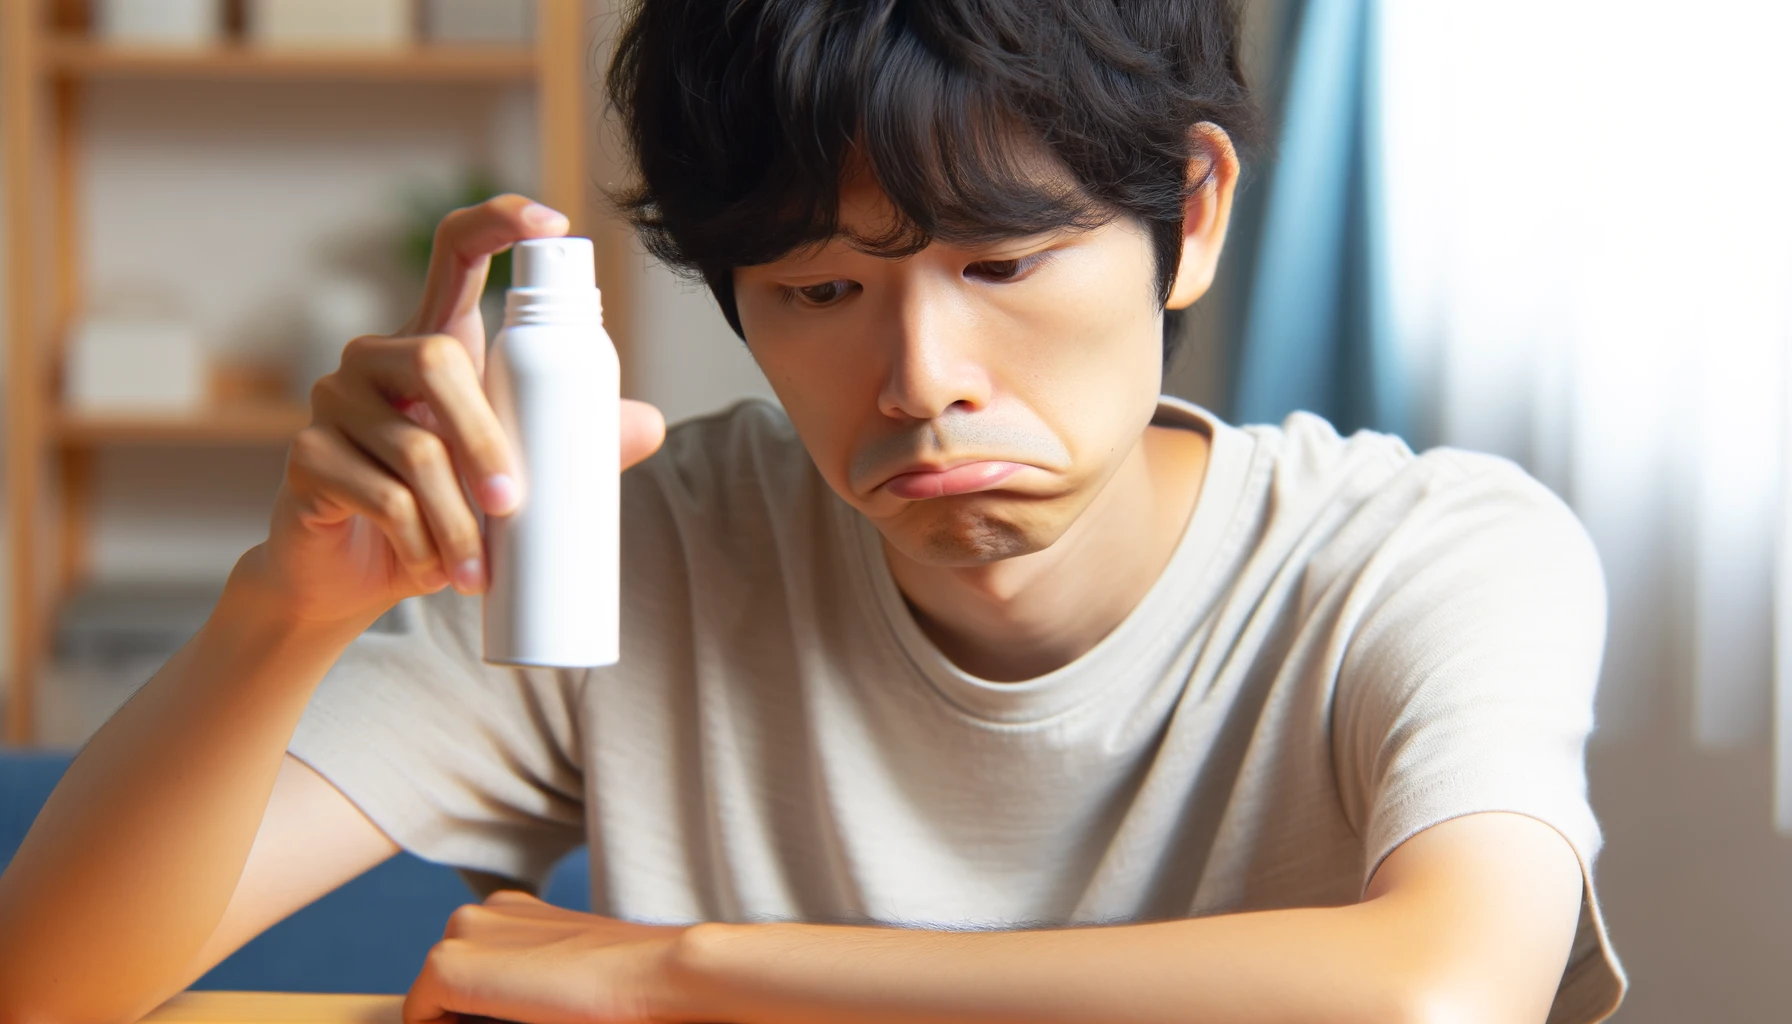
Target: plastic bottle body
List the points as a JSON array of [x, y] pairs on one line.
[[554, 594]]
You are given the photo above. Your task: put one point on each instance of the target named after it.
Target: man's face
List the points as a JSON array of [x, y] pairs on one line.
[[971, 402]]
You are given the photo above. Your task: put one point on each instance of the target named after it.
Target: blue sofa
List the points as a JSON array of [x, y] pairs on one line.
[[368, 936]]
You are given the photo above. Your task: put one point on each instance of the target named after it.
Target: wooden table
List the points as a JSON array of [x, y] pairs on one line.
[[276, 1008]]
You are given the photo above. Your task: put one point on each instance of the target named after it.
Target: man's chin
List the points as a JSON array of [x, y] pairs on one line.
[[965, 537]]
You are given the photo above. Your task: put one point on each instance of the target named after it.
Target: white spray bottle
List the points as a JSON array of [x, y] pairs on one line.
[[551, 376]]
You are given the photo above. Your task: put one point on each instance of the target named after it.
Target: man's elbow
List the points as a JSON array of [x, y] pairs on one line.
[[1429, 1001], [1412, 984]]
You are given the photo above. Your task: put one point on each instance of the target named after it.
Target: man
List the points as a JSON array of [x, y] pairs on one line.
[[980, 683]]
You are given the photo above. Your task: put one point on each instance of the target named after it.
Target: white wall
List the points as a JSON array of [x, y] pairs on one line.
[[1697, 887], [686, 359], [230, 198], [226, 202]]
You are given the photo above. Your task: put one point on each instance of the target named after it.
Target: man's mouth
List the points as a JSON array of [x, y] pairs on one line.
[[965, 478]]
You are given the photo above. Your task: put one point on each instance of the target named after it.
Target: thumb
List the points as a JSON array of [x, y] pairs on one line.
[[643, 430]]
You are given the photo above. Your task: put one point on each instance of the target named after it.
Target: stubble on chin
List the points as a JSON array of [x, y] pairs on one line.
[[974, 538]]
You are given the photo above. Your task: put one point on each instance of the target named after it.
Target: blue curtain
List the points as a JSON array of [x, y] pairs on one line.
[[1313, 333]]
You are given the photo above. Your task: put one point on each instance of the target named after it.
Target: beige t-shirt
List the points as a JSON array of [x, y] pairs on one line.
[[1350, 644]]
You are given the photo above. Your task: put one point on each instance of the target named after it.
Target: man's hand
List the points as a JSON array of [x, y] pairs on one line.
[[514, 957], [375, 505]]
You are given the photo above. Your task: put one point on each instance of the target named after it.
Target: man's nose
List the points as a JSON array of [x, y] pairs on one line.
[[935, 360]]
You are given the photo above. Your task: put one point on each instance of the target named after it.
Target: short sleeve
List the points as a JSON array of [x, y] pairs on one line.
[[1468, 682], [459, 762]]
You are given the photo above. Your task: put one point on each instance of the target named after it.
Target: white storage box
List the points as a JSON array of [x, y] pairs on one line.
[[479, 21], [175, 23], [331, 24], [130, 366]]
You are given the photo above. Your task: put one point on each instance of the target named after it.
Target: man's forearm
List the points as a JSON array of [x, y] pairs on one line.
[[1470, 921], [1332, 964], [133, 860]]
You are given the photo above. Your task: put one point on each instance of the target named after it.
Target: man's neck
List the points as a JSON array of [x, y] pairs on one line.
[[1023, 617]]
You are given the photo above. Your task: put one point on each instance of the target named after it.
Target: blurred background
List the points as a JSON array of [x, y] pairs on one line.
[[1555, 230]]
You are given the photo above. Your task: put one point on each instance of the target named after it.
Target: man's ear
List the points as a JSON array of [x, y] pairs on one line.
[[1206, 212]]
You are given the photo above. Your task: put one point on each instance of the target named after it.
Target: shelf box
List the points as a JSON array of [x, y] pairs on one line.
[[132, 367], [160, 23], [479, 22], [330, 24]]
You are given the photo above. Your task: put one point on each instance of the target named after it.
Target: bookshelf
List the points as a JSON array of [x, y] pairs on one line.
[[46, 60]]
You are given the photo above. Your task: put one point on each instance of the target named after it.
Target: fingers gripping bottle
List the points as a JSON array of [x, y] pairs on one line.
[[552, 378]]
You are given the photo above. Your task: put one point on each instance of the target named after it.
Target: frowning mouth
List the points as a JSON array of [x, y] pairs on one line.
[[964, 478]]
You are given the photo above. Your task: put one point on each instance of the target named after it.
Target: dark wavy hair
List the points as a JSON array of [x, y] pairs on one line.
[[744, 115]]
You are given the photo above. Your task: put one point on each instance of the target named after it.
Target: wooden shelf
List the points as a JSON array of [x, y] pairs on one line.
[[79, 58], [52, 452], [272, 423]]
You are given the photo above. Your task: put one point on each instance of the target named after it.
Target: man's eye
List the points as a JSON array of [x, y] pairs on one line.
[[1006, 270], [825, 294]]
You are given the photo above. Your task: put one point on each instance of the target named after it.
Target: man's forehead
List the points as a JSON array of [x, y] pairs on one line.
[[866, 210], [950, 184]]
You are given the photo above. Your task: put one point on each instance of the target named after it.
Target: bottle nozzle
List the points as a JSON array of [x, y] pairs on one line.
[[556, 263]]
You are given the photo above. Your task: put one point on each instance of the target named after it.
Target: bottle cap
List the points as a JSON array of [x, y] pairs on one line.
[[556, 263]]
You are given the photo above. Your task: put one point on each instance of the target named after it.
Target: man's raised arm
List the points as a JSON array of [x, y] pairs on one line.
[[128, 884]]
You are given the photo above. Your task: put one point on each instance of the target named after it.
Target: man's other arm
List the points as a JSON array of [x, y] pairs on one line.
[[1469, 921]]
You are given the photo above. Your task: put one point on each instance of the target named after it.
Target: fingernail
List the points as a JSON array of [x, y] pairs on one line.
[[469, 576], [499, 493], [539, 216]]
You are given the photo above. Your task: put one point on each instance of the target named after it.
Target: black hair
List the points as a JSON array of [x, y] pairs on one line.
[[744, 115]]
